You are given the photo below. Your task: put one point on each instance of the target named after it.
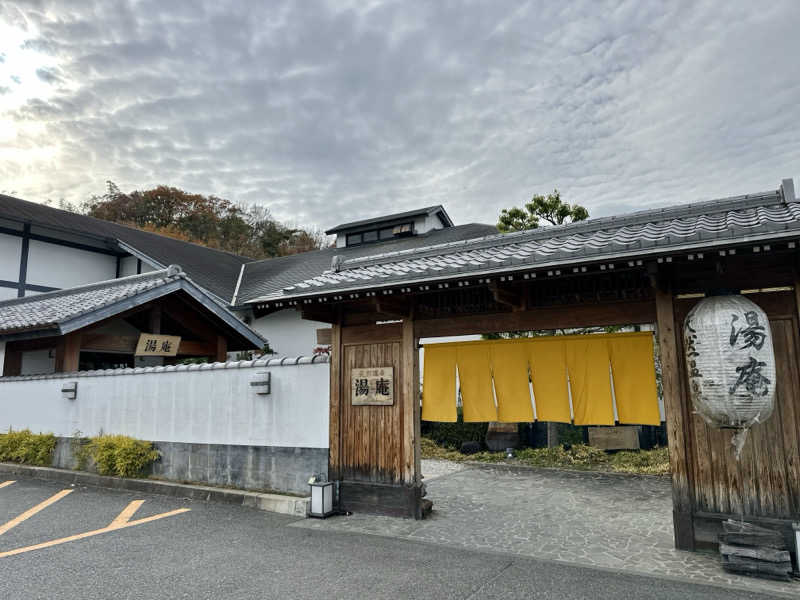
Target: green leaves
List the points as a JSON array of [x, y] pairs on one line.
[[207, 220], [27, 448], [549, 208]]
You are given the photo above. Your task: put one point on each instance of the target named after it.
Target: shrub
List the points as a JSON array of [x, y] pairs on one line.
[[27, 448], [119, 455], [452, 435]]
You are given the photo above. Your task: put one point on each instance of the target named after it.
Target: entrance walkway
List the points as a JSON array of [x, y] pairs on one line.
[[619, 522]]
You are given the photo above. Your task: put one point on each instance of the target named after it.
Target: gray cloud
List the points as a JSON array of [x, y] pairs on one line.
[[326, 113]]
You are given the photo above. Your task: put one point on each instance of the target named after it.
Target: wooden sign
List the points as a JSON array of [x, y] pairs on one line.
[[151, 344], [372, 387]]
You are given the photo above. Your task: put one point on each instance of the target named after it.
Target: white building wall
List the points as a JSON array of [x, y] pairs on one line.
[[199, 404], [10, 251], [2, 356], [127, 266], [7, 293], [288, 334], [63, 267]]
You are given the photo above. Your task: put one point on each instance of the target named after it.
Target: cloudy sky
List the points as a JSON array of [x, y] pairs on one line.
[[330, 111]]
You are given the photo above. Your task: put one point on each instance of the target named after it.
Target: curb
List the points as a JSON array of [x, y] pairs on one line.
[[277, 503]]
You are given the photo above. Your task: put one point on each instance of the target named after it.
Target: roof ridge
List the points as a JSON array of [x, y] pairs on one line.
[[732, 203], [168, 273], [115, 224]]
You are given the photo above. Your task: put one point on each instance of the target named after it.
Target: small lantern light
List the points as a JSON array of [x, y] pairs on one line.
[[509, 453], [321, 498]]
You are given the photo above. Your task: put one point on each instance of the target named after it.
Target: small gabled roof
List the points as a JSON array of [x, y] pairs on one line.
[[63, 311], [762, 217], [215, 270], [410, 214]]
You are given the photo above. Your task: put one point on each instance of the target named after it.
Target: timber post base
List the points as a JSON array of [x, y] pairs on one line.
[[381, 499]]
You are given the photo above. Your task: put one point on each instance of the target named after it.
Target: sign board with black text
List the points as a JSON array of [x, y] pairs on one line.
[[373, 386]]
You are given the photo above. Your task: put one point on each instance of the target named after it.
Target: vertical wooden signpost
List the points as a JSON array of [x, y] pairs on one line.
[[374, 418]]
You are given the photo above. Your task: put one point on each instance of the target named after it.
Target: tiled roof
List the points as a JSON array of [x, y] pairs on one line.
[[428, 210], [740, 219], [59, 312], [270, 276], [215, 270]]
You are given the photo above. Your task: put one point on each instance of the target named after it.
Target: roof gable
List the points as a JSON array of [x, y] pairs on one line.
[[63, 311]]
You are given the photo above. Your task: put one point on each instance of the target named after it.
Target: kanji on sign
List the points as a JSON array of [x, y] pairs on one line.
[[151, 344], [372, 386]]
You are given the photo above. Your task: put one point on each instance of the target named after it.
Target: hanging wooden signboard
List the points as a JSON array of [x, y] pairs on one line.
[[372, 387], [151, 344]]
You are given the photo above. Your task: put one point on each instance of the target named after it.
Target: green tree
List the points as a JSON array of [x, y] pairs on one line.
[[549, 208], [208, 220]]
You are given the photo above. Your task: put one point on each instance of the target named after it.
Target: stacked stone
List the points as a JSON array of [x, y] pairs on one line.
[[751, 550]]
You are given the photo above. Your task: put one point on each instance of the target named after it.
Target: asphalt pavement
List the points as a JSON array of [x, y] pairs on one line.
[[95, 543]]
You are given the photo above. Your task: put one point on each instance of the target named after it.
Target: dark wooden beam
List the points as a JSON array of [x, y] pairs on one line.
[[102, 342], [550, 317], [677, 418], [187, 317], [154, 319], [507, 296], [12, 364], [222, 349], [392, 307], [68, 352], [189, 348]]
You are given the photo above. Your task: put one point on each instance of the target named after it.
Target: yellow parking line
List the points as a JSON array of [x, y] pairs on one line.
[[6, 483], [126, 514], [32, 511], [120, 522]]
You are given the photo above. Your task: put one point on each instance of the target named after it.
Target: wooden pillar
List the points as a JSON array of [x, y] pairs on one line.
[[222, 349], [12, 363], [411, 407], [677, 417], [154, 321], [68, 352], [334, 467]]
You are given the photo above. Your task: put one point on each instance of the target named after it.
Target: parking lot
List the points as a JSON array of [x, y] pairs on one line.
[[60, 541]]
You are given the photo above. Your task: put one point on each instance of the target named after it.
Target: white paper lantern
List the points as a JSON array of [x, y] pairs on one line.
[[730, 361]]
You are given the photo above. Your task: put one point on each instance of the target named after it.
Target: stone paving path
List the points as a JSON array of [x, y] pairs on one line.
[[614, 521]]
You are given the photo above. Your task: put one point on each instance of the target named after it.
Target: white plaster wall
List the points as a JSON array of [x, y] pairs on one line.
[[64, 267], [288, 334], [202, 406], [127, 266], [7, 293], [10, 251], [2, 357], [38, 362]]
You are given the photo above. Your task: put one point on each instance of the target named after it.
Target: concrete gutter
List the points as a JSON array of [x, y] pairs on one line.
[[277, 503]]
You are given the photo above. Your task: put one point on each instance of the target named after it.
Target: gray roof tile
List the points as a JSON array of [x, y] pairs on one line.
[[44, 311], [698, 225]]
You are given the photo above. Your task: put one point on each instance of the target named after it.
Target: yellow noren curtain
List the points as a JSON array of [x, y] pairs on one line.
[[510, 370], [590, 381], [635, 379], [439, 384], [549, 377], [475, 377]]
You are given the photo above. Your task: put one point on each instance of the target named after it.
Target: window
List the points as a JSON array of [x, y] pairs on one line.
[[353, 239], [370, 236]]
